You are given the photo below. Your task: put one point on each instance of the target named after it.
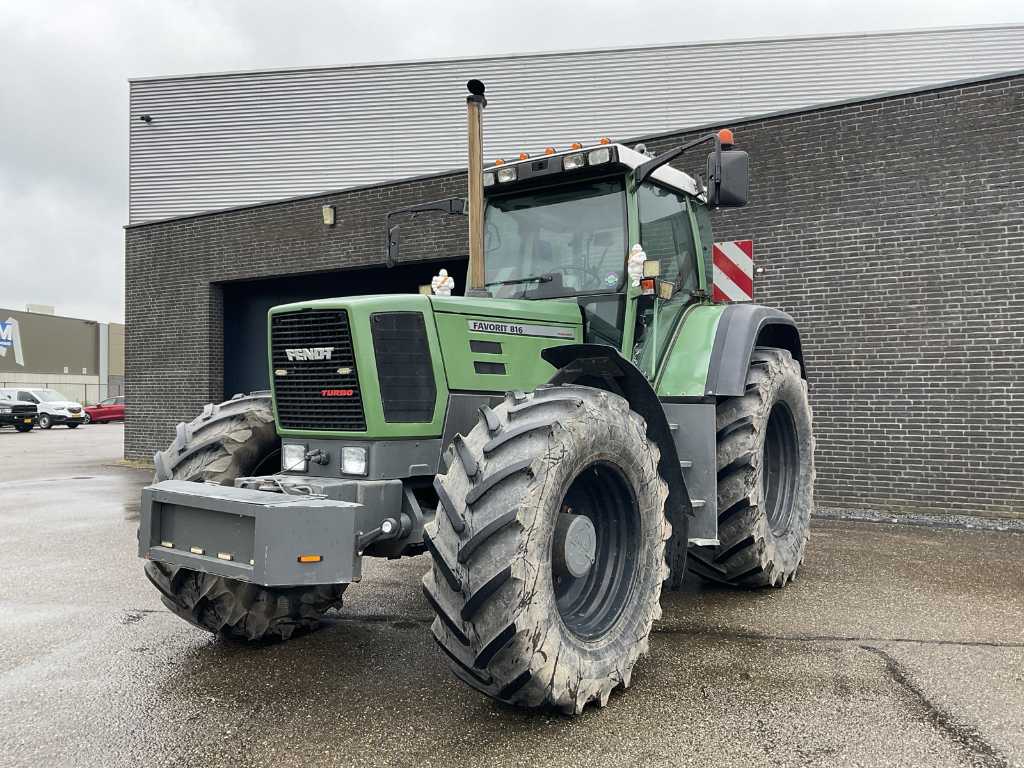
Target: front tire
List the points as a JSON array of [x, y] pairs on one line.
[[234, 439], [87, 419], [71, 425], [519, 614], [23, 427], [765, 477]]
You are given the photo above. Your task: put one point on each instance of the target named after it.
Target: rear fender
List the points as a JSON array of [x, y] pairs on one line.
[[741, 328]]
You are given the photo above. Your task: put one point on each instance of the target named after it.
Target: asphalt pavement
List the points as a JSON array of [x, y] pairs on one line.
[[898, 645]]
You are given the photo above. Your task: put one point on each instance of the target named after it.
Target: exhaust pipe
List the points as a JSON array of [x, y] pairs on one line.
[[475, 104]]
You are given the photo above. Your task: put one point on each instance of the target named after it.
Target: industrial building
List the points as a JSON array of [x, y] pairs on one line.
[[886, 210], [81, 359]]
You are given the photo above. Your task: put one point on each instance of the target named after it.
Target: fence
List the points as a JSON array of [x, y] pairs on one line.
[[86, 394]]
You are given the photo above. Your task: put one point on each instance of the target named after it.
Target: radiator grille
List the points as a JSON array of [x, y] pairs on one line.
[[404, 369], [317, 393]]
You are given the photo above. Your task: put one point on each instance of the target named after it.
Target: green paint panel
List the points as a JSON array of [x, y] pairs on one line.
[[519, 357], [684, 369]]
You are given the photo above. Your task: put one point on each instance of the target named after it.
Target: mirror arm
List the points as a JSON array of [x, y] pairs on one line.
[[453, 206], [647, 168]]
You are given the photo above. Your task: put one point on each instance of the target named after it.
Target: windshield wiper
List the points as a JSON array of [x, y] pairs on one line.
[[520, 280]]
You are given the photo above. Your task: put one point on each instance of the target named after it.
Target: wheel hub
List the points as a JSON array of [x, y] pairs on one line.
[[575, 545]]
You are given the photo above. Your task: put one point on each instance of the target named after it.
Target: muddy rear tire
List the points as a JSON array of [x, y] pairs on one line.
[[528, 611], [234, 439], [765, 478]]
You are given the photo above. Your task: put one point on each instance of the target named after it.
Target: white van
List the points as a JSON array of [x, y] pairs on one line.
[[53, 407]]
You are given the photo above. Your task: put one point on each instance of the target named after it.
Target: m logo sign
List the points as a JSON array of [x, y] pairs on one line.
[[10, 339]]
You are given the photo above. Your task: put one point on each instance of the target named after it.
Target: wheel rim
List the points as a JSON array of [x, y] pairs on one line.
[[591, 604], [780, 460]]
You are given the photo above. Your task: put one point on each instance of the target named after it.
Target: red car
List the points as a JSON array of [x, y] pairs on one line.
[[111, 409]]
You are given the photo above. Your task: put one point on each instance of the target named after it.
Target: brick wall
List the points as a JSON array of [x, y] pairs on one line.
[[891, 230]]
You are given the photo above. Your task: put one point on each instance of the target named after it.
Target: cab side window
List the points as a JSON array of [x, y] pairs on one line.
[[26, 397], [666, 234]]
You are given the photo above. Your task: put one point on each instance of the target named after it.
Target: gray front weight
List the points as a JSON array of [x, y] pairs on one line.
[[255, 536]]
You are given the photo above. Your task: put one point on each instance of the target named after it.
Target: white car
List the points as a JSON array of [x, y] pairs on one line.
[[53, 407]]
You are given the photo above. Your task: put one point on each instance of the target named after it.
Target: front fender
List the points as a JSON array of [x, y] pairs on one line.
[[603, 367]]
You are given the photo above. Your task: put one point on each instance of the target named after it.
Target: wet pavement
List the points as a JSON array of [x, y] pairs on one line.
[[898, 645]]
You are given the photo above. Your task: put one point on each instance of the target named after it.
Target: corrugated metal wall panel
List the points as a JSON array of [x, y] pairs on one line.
[[218, 141]]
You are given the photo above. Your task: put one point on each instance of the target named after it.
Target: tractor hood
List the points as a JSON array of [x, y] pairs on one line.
[[383, 366]]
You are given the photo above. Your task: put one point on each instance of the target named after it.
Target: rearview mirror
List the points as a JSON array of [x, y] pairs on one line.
[[730, 181]]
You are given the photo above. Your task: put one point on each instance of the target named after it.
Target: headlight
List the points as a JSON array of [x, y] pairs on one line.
[[353, 460], [293, 457], [507, 173], [488, 179], [572, 162], [5, 410], [598, 156]]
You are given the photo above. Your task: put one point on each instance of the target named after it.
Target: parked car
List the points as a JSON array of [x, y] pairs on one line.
[[21, 416], [111, 409], [53, 407]]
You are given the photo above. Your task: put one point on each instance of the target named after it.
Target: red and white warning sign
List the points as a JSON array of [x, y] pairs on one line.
[[734, 271]]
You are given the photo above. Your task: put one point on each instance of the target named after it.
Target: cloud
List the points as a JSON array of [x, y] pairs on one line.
[[64, 92]]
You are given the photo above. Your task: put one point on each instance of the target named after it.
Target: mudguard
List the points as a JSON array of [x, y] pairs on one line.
[[741, 328], [603, 367]]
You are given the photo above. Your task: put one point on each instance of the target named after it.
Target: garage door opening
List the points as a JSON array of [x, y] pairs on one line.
[[246, 304]]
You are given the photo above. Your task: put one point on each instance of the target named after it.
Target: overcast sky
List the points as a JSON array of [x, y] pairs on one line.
[[64, 67]]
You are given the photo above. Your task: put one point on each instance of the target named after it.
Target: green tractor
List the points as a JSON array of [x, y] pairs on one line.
[[581, 427]]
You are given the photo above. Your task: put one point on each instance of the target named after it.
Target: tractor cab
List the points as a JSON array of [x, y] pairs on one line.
[[621, 233]]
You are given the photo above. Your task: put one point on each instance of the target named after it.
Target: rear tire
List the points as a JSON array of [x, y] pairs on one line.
[[516, 619], [765, 477], [44, 421], [87, 419], [234, 439]]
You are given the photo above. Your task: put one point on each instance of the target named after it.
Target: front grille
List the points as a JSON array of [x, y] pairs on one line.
[[316, 392], [23, 410], [404, 369]]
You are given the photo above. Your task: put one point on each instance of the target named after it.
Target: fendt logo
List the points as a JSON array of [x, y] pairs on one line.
[[309, 353]]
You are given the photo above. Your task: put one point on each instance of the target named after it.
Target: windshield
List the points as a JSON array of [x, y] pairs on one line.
[[49, 395], [557, 242]]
